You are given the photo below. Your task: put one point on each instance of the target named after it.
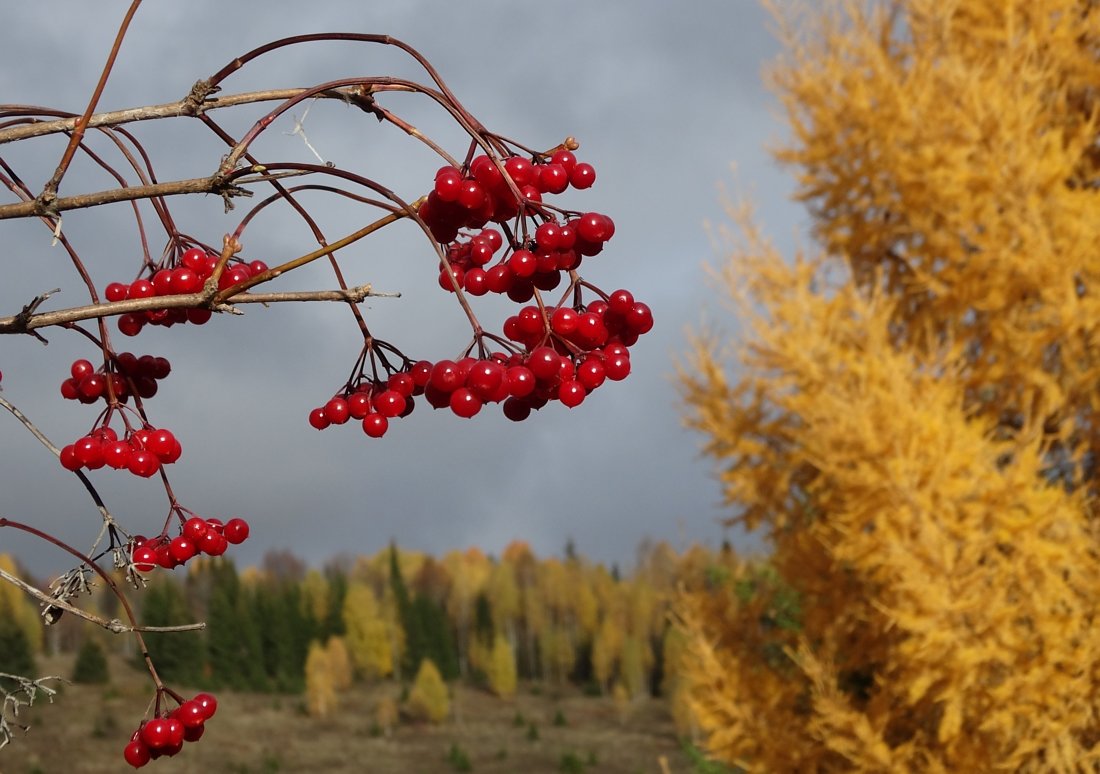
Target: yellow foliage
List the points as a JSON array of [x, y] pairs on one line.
[[16, 605], [320, 682], [339, 663], [428, 698], [315, 595], [367, 633], [500, 671], [912, 418]]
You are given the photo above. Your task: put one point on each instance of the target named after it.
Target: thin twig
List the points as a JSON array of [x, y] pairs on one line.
[[112, 625]]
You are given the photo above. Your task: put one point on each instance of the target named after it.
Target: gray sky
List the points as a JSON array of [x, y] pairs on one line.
[[663, 97]]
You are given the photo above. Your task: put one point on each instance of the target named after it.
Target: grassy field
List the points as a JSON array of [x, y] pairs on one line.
[[86, 727]]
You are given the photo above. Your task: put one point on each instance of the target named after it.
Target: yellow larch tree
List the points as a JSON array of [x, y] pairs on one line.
[[367, 636], [912, 417], [500, 671], [320, 682], [428, 698]]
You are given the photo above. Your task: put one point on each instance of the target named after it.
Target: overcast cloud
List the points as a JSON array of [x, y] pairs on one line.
[[664, 97]]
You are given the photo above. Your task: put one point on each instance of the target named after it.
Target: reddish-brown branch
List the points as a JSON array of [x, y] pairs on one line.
[[50, 191]]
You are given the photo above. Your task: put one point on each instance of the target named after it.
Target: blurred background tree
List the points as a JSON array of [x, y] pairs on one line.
[[911, 420]]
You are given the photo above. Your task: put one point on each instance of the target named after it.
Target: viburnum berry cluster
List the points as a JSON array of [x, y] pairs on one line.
[[127, 374], [141, 451], [197, 536], [165, 734], [546, 353], [187, 274]]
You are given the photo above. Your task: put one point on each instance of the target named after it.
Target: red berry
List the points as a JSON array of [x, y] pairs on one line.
[[564, 320], [492, 237], [571, 393], [143, 463], [389, 403], [144, 559], [471, 195], [136, 754], [582, 175], [336, 411], [194, 259], [181, 549], [553, 178], [191, 714], [213, 543], [359, 405], [522, 263], [617, 367], [184, 280], [156, 733], [499, 278], [141, 288], [464, 403], [640, 318], [621, 302], [375, 425], [521, 382], [236, 531], [594, 227], [68, 458], [318, 419], [475, 282], [591, 373], [208, 703], [402, 383], [520, 170], [485, 378], [421, 373], [448, 180], [116, 291], [89, 452], [565, 158], [445, 376], [195, 529], [130, 324], [233, 275], [161, 443], [117, 454], [517, 409], [543, 362]]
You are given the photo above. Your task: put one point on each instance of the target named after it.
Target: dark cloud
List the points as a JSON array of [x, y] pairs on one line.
[[663, 96]]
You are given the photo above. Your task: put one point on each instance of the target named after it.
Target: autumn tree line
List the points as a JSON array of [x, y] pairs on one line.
[[490, 622]]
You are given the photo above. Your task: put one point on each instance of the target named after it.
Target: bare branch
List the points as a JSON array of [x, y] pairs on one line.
[[21, 323], [112, 625]]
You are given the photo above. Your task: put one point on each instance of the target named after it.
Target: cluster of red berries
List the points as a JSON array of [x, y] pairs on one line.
[[620, 319], [373, 402], [470, 200], [198, 536], [533, 263], [188, 276], [166, 735], [563, 353], [521, 382], [141, 451], [125, 372]]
